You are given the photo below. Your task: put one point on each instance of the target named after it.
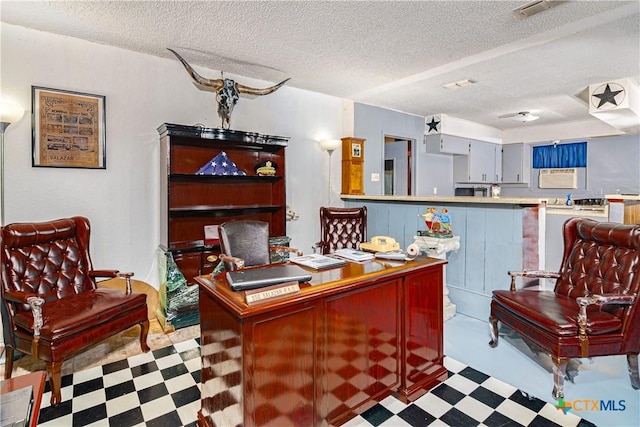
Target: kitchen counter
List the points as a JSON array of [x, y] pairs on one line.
[[496, 235], [523, 201], [595, 211]]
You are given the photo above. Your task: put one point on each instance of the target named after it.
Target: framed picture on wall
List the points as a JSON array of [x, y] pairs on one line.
[[68, 129], [355, 150]]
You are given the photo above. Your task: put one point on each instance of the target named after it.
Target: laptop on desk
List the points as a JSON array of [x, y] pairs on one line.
[[253, 278]]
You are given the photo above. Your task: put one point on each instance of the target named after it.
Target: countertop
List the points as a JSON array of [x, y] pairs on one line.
[[526, 201]]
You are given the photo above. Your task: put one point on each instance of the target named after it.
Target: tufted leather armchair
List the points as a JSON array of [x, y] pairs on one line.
[[245, 243], [341, 228], [593, 309], [52, 307]]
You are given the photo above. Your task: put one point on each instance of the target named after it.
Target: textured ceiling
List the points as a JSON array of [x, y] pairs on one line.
[[387, 53]]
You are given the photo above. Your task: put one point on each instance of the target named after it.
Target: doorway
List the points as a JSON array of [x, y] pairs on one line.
[[397, 166]]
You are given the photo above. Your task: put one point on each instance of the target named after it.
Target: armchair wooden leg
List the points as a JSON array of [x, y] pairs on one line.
[[55, 381], [632, 361], [493, 328], [144, 331], [8, 362], [559, 372]]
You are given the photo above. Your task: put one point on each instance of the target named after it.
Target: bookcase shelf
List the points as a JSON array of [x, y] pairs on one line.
[[189, 202]]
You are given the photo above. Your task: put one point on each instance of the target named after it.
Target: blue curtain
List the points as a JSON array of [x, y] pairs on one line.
[[572, 155]]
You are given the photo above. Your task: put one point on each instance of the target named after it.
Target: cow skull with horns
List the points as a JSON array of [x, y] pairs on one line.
[[227, 90]]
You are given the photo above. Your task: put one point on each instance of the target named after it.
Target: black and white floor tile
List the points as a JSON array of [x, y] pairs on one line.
[[156, 389], [162, 389]]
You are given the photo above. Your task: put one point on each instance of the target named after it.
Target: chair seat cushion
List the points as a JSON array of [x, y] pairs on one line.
[[554, 313], [75, 313]]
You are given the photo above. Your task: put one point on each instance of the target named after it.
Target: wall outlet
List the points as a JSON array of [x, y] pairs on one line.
[[435, 190], [375, 177]]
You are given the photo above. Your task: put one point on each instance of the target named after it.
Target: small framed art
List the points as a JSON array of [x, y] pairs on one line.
[[68, 129]]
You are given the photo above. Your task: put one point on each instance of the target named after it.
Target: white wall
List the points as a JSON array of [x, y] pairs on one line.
[[142, 92]]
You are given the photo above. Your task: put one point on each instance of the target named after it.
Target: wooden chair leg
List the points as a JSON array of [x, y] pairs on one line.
[[493, 329], [559, 372], [55, 381], [632, 362], [144, 331], [8, 362]]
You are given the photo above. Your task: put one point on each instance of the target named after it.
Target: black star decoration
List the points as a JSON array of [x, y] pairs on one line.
[[433, 125], [607, 95]]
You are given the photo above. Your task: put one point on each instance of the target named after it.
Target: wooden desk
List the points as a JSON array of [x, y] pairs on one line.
[[35, 379], [351, 337]]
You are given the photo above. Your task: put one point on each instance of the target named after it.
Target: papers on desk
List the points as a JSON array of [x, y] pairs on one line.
[[15, 407], [317, 261], [354, 255]]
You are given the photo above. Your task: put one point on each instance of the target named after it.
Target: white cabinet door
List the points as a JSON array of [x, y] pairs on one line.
[[497, 164], [516, 163], [479, 166], [446, 144]]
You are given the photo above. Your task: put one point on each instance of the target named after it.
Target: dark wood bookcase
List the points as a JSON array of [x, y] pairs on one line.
[[189, 202]]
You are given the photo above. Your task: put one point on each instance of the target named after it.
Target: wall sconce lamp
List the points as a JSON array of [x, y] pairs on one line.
[[9, 113], [330, 145]]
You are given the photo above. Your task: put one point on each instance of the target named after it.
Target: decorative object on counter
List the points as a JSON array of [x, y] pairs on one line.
[[438, 224], [438, 248], [266, 168], [569, 202], [495, 190], [227, 91], [221, 164]]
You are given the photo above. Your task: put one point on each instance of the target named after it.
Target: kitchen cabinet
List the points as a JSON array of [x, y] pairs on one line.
[[479, 165], [445, 144], [189, 202], [516, 163]]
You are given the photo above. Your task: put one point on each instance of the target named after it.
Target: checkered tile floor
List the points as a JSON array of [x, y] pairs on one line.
[[162, 388]]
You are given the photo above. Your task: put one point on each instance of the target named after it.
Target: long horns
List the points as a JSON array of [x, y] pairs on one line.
[[217, 84]]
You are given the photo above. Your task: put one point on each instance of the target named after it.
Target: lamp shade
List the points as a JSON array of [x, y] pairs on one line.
[[330, 144], [10, 113]]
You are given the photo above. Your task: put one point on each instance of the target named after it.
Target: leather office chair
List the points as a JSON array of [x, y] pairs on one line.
[[341, 228], [593, 309], [245, 243], [52, 307]]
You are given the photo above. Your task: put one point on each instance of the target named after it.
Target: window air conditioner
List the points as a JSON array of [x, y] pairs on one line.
[[558, 178]]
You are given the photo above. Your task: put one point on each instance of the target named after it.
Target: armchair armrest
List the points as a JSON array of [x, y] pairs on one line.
[[36, 310], [112, 274], [234, 262], [540, 274], [19, 296], [605, 299], [595, 299]]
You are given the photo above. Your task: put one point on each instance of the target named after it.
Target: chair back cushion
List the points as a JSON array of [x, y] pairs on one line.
[[49, 259], [599, 258], [246, 239], [342, 228], [603, 258]]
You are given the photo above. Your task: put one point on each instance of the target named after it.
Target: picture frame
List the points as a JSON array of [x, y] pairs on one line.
[[68, 129], [355, 150]]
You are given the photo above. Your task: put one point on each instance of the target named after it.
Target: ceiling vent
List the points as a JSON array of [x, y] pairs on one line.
[[536, 6]]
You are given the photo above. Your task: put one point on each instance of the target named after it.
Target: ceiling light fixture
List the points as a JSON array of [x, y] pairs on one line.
[[524, 116], [459, 84]]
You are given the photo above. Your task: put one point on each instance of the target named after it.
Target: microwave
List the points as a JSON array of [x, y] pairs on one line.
[[471, 191]]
